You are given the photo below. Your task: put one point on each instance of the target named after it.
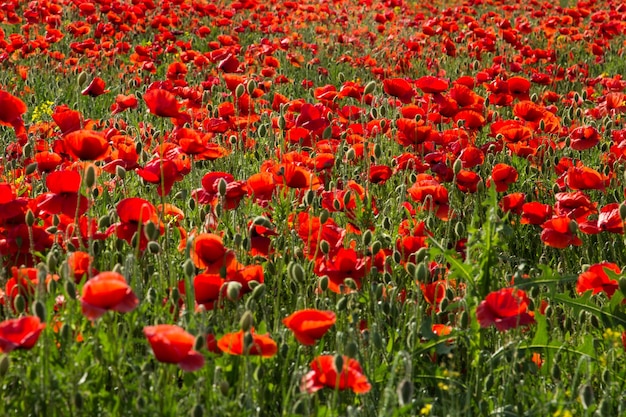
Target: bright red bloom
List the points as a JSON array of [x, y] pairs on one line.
[[79, 264], [123, 102], [95, 88], [20, 333], [506, 309], [557, 232], [11, 111], [208, 289], [107, 291], [345, 264], [172, 344], [430, 84], [261, 345], [208, 252], [502, 176], [535, 213], [310, 325], [64, 195], [584, 137], [134, 214], [609, 219], [399, 88], [585, 178], [325, 374], [164, 104], [512, 203], [86, 145], [596, 279]]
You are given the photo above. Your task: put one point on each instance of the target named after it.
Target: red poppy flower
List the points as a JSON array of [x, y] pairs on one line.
[[164, 104], [512, 203], [506, 309], [208, 252], [208, 288], [11, 111], [107, 291], [172, 344], [430, 84], [64, 196], [609, 219], [261, 345], [400, 88], [86, 145], [310, 325], [79, 264], [325, 374], [557, 232], [502, 175], [585, 178], [95, 88], [596, 279], [134, 214], [346, 263], [519, 88], [123, 102], [584, 137], [577, 205], [20, 333]]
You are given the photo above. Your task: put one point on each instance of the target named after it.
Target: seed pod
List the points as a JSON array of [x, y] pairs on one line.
[[338, 362], [585, 393], [246, 322], [405, 392], [40, 310], [4, 365], [240, 90], [90, 176], [199, 343], [369, 88]]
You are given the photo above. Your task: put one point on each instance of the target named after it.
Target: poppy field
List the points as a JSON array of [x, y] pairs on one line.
[[315, 208]]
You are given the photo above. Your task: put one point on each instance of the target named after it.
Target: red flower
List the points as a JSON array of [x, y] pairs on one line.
[[506, 309], [310, 325], [208, 288], [86, 145], [262, 345], [345, 264], [512, 202], [325, 374], [134, 213], [400, 88], [502, 175], [64, 196], [95, 88], [107, 291], [172, 344], [609, 219], [123, 102], [208, 252], [557, 232], [596, 279], [79, 265], [585, 178], [11, 111], [20, 333], [535, 213], [430, 84], [584, 137], [163, 103]]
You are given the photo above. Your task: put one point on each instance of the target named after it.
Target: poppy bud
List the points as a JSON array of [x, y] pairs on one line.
[[324, 283], [405, 392], [351, 349], [295, 272], [70, 289], [51, 287], [258, 291], [351, 283], [369, 88], [585, 393], [189, 268], [573, 226], [221, 187], [457, 166], [240, 91], [90, 176], [262, 130], [556, 371], [198, 411], [251, 86], [82, 78], [120, 171], [248, 341], [232, 290], [224, 387], [246, 322], [324, 247], [154, 247], [19, 303], [4, 365], [29, 219], [342, 303], [30, 168], [338, 362], [199, 343], [282, 123], [351, 154], [40, 310], [376, 247]]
